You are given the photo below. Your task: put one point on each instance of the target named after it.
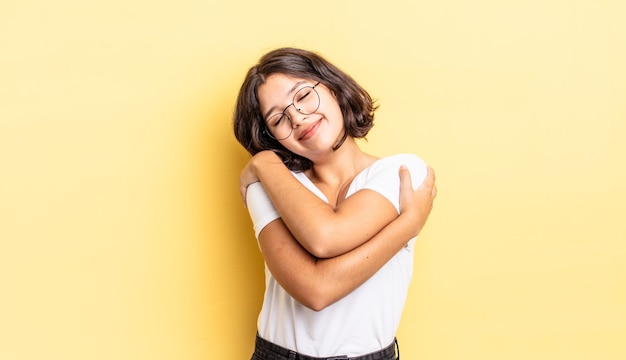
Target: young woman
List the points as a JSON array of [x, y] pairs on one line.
[[336, 226]]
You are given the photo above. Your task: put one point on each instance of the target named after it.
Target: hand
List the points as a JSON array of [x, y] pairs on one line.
[[417, 204], [247, 177]]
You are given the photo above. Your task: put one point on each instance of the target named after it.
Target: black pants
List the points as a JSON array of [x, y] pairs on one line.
[[265, 350]]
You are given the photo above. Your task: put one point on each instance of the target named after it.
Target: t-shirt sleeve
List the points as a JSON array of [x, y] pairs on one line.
[[384, 178], [260, 207]]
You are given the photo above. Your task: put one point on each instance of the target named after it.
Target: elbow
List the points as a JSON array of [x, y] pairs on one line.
[[321, 252], [316, 303], [321, 244], [318, 297], [317, 307], [313, 305]]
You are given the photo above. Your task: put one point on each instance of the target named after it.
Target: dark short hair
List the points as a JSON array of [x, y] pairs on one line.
[[249, 126]]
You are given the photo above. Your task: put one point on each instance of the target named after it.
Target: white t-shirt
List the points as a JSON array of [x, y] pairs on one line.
[[363, 321]]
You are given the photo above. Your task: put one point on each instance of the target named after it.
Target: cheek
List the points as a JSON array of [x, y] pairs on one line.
[[337, 115], [331, 107], [338, 110]]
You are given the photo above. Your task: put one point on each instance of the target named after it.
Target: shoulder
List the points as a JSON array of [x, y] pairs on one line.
[[383, 176], [260, 207], [391, 165], [410, 160]]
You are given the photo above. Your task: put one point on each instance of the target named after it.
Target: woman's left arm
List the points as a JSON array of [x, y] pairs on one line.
[[321, 229], [317, 283]]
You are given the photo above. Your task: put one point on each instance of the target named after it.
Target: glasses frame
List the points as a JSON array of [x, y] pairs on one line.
[[283, 113]]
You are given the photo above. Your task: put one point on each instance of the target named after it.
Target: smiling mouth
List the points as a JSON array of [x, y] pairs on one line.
[[305, 134]]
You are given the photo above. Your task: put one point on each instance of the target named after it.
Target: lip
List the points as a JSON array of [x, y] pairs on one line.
[[309, 131]]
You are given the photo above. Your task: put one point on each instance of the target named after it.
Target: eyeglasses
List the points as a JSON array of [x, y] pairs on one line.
[[306, 101]]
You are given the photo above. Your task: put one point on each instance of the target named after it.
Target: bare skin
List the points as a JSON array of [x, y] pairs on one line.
[[318, 283], [301, 248]]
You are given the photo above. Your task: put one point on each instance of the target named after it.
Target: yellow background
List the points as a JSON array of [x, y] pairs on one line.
[[121, 231]]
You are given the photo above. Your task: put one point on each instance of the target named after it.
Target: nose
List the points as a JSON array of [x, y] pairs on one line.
[[296, 116]]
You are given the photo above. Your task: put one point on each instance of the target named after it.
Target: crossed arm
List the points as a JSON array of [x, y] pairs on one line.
[[313, 222], [318, 282]]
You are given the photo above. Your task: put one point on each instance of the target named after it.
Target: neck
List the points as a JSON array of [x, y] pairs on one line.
[[341, 166]]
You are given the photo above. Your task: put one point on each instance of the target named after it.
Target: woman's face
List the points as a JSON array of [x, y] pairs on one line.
[[314, 129]]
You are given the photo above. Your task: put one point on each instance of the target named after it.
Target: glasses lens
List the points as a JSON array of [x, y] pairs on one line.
[[279, 126], [306, 100]]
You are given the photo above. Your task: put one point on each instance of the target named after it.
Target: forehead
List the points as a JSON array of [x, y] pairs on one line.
[[278, 89]]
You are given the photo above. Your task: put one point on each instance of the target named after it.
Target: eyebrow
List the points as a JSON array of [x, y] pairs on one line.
[[273, 108]]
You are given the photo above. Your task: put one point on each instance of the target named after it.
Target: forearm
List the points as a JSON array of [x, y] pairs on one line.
[[291, 198], [323, 230], [317, 283]]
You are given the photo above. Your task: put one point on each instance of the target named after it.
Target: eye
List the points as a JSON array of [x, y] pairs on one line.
[[303, 93], [275, 120]]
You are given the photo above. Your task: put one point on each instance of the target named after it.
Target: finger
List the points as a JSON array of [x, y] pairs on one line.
[[429, 181], [242, 192], [405, 179], [434, 187], [431, 176]]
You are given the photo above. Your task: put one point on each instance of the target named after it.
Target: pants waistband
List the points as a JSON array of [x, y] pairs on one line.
[[270, 351]]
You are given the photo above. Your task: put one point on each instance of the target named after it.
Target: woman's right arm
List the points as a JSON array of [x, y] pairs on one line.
[[322, 229], [317, 283]]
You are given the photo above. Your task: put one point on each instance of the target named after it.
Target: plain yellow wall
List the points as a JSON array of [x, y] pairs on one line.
[[121, 231]]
